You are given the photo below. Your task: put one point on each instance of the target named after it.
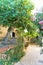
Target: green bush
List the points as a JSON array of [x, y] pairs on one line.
[[13, 55], [16, 53], [36, 41]]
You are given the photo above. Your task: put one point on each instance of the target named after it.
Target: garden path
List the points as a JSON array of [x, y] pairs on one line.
[[32, 56]]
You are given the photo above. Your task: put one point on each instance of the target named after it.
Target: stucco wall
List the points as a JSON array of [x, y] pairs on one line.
[[3, 31]]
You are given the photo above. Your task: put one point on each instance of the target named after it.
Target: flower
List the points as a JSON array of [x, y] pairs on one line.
[[25, 30], [41, 22], [38, 30]]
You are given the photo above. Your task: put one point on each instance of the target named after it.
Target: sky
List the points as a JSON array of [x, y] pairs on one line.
[[38, 5]]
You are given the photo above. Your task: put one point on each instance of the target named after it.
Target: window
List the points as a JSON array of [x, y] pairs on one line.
[[13, 34]]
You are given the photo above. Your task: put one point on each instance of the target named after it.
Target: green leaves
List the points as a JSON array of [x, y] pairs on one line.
[[9, 11], [16, 13], [39, 17]]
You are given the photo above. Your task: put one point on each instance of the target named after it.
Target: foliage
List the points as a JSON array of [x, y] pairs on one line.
[[36, 40], [12, 14], [39, 17], [31, 35], [13, 55], [17, 15]]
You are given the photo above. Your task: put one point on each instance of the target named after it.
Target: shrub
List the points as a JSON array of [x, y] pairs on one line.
[[36, 41], [13, 55]]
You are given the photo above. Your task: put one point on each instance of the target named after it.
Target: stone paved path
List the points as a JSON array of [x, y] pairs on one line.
[[32, 57]]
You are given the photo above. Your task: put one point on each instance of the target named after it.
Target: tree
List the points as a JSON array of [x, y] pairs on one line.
[[16, 14], [12, 14]]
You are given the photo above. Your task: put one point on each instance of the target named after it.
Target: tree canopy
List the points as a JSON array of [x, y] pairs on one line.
[[15, 12]]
